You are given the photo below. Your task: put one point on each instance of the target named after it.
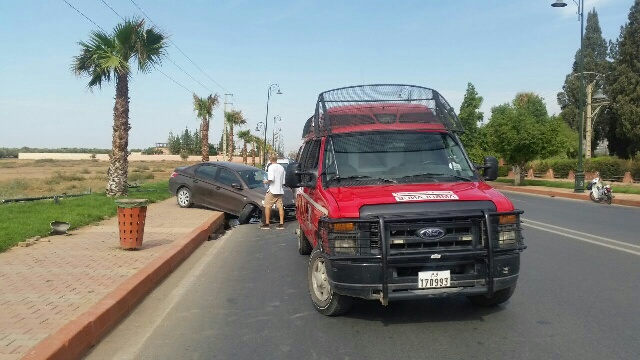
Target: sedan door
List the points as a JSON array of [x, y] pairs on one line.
[[204, 185], [229, 198]]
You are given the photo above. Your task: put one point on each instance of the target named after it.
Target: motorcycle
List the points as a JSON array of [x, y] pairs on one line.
[[600, 193]]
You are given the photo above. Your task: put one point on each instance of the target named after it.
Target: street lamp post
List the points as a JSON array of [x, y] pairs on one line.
[[266, 117], [578, 185], [276, 119]]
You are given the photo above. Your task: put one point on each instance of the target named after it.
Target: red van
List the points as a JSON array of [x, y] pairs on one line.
[[390, 207]]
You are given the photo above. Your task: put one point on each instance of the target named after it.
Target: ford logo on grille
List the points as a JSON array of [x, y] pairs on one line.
[[431, 233]]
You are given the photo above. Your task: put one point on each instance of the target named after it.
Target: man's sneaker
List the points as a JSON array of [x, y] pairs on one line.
[[265, 227], [280, 226]]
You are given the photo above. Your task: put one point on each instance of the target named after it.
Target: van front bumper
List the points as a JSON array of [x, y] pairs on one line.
[[364, 278]]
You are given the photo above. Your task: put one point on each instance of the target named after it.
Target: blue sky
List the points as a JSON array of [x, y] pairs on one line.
[[502, 47]]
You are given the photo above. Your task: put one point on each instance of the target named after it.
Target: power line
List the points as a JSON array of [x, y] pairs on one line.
[[185, 55], [109, 6], [167, 56], [93, 22], [168, 77], [85, 16]]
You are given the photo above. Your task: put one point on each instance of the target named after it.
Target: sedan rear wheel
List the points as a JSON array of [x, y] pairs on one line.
[[184, 198]]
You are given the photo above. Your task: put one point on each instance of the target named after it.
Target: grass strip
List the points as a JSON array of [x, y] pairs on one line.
[[24, 220]]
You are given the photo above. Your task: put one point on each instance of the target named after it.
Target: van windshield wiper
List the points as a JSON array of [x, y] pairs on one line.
[[361, 177], [436, 175]]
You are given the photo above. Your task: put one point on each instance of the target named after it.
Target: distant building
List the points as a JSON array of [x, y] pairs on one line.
[[164, 147]]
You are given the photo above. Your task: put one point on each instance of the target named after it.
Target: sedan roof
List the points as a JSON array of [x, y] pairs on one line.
[[233, 165]]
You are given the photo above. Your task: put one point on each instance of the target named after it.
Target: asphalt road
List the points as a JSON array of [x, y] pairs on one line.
[[244, 296]]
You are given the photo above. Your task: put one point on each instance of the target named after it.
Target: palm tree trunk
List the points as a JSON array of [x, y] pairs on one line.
[[119, 162], [204, 134], [230, 143], [244, 153]]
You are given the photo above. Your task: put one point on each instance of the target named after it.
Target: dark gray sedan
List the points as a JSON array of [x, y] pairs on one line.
[[233, 188]]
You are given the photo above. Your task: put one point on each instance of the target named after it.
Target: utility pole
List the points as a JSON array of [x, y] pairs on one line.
[[224, 130]]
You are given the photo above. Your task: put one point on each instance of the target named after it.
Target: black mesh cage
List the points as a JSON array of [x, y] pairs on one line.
[[380, 105]]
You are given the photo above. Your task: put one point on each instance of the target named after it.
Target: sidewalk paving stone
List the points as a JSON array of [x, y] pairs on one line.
[[59, 297]]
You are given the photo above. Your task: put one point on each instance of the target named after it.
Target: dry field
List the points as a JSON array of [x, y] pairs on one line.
[[46, 177]]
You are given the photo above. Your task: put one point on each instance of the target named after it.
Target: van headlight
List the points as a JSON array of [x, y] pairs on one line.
[[508, 231], [343, 238]]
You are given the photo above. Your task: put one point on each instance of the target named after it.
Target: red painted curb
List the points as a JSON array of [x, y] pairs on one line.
[[73, 340], [583, 196]]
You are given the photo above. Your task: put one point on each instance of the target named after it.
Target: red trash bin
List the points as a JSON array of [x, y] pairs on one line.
[[131, 217]]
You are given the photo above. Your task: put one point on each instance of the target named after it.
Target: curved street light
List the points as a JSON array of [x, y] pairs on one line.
[[272, 87], [578, 186]]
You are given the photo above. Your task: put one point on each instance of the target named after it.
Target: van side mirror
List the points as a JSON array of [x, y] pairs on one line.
[[295, 177], [490, 167]]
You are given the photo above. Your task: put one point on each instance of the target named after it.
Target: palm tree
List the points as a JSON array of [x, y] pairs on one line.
[[204, 108], [105, 58], [245, 136], [233, 117]]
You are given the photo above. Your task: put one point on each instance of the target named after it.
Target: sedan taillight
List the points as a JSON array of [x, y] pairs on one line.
[[174, 174]]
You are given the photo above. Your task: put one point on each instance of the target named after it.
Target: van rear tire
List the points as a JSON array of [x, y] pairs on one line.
[[324, 299]]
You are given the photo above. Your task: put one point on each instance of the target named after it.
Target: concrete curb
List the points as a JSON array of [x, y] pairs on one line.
[[568, 195], [74, 339]]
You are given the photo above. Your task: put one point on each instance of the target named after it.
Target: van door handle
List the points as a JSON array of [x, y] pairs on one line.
[[217, 187], [195, 181]]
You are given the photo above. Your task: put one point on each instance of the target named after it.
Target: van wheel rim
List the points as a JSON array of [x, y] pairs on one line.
[[319, 281]]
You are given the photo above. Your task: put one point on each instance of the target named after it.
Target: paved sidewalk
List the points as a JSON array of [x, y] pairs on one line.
[[64, 293], [618, 198]]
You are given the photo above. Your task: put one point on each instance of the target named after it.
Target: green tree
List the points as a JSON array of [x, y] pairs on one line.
[[204, 110], [624, 89], [105, 58], [245, 136], [470, 117], [196, 145], [186, 140], [174, 144], [233, 118], [523, 131]]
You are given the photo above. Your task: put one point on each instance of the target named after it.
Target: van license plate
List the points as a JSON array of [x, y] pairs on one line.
[[434, 279]]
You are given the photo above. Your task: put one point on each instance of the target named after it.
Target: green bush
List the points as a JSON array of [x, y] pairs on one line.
[[561, 167], [503, 171], [608, 166], [634, 168]]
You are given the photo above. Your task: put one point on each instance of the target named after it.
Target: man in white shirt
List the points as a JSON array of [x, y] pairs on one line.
[[275, 180]]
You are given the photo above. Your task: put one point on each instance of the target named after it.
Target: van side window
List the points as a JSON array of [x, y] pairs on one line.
[[329, 167], [311, 155]]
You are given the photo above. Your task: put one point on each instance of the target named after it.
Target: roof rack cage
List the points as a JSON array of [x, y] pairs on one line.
[[380, 105]]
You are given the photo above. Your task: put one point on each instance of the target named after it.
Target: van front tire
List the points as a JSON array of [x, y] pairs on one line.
[[325, 301]]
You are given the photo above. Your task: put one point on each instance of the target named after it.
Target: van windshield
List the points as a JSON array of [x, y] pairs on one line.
[[394, 157]]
